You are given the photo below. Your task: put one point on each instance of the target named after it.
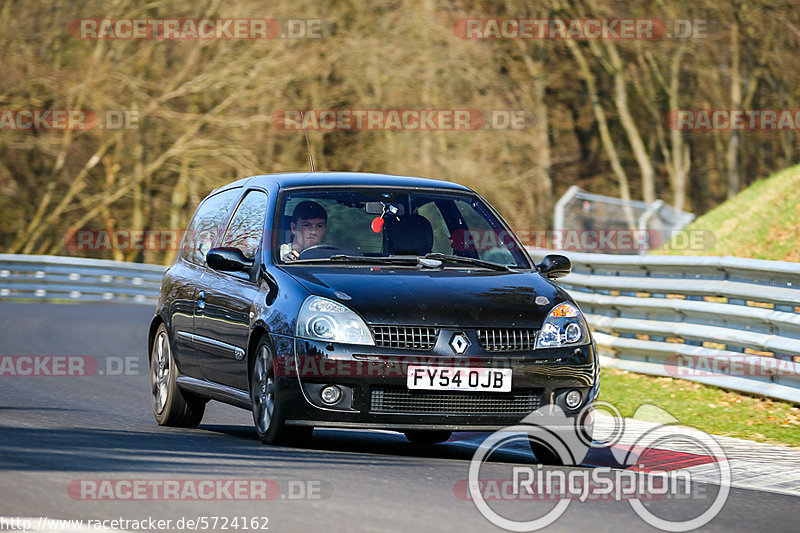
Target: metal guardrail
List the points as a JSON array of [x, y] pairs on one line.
[[645, 312], [46, 277], [724, 321]]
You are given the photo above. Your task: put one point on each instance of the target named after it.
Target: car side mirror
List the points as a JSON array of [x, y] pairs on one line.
[[554, 266], [228, 259]]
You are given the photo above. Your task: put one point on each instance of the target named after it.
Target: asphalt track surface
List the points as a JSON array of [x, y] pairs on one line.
[[56, 431]]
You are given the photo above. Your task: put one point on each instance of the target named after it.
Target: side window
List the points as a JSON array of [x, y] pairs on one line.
[[247, 225], [205, 226], [441, 235]]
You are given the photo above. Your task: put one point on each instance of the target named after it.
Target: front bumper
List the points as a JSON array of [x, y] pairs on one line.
[[375, 395]]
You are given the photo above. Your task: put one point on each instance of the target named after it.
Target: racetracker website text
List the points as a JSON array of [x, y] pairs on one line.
[[194, 523]]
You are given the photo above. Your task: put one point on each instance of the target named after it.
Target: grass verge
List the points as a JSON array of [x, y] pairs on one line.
[[762, 222], [713, 410]]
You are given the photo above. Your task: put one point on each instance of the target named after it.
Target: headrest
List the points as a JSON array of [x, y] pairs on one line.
[[411, 235]]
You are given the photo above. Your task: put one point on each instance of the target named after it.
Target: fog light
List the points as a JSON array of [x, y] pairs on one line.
[[573, 399], [331, 394]]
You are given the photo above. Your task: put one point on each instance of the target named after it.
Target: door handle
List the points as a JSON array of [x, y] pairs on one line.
[[201, 299]]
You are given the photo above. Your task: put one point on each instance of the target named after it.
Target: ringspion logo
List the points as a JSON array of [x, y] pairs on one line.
[[550, 428]]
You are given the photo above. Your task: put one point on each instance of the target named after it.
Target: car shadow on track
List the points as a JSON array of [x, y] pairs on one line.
[[209, 448], [353, 441]]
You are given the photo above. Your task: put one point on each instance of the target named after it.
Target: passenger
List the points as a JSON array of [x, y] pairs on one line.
[[309, 224]]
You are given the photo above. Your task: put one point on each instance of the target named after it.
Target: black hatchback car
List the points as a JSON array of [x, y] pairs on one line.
[[363, 301]]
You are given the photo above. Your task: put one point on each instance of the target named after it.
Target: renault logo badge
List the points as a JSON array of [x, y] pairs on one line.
[[459, 343]]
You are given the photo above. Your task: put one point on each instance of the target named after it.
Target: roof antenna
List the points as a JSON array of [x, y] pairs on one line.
[[308, 145]]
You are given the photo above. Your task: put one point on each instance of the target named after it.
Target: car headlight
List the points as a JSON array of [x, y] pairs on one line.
[[564, 326], [321, 319]]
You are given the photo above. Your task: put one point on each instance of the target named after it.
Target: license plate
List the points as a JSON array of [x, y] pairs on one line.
[[459, 378]]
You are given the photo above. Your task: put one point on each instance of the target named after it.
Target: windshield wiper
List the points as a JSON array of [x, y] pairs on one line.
[[431, 260], [344, 258], [374, 260], [404, 260], [399, 260], [468, 261]]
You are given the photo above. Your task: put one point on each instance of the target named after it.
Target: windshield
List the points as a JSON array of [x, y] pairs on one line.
[[357, 226]]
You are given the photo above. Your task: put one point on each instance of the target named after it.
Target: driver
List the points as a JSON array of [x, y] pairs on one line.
[[309, 224]]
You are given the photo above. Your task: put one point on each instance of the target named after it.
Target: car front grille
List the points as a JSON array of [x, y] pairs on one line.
[[400, 400], [507, 339], [405, 337]]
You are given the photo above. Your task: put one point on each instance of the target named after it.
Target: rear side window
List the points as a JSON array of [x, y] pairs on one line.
[[206, 226], [247, 225]]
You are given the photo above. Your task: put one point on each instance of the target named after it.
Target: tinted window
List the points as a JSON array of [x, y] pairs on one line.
[[205, 226], [490, 245], [441, 233], [247, 225], [346, 224], [385, 222]]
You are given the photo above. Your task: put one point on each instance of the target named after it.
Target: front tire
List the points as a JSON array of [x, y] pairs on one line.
[[171, 406], [578, 441], [267, 404], [545, 454]]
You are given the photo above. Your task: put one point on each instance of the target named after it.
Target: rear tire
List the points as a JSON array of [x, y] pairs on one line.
[[427, 436], [267, 404], [171, 406]]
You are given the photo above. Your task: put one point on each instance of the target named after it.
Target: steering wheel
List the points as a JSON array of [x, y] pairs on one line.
[[318, 248]]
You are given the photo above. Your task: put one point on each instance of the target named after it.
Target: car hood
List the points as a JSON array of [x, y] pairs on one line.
[[443, 297]]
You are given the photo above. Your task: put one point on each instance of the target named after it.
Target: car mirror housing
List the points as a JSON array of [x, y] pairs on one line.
[[554, 266], [228, 259]]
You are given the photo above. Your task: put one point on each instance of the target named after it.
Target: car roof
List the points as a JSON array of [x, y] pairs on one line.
[[352, 179]]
